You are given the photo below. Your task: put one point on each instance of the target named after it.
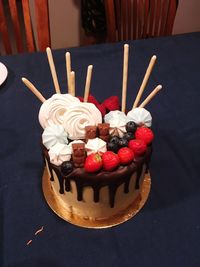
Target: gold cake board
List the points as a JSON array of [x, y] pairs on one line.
[[130, 212]]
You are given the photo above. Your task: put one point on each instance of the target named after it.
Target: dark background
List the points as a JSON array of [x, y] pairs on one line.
[[166, 232]]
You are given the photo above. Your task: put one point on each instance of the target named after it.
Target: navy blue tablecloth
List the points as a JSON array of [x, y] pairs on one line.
[[166, 232]]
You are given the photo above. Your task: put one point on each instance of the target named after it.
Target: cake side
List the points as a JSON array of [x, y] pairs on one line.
[[101, 195]]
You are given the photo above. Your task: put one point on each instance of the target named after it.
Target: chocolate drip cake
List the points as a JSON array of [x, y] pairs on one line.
[[96, 154], [97, 196]]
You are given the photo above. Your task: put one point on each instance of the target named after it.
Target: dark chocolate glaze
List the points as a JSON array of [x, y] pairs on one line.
[[113, 180]]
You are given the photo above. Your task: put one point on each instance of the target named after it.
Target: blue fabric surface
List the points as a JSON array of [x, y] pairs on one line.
[[166, 232]]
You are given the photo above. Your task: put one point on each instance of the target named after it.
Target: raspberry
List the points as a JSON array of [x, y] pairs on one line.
[[145, 134], [126, 155], [93, 163], [138, 146], [111, 103], [110, 161]]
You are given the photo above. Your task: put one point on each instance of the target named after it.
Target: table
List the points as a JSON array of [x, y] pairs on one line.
[[166, 232]]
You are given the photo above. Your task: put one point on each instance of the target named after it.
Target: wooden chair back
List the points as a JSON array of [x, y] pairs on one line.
[[138, 19], [23, 26]]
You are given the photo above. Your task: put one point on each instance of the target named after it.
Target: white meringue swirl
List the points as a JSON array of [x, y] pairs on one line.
[[78, 116], [95, 145], [116, 114], [117, 120], [53, 109], [140, 116], [54, 134], [59, 153]]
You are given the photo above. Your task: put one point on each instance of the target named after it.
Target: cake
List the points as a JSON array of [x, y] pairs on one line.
[[96, 154], [96, 164]]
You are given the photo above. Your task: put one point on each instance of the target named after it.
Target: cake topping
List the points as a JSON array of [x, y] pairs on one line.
[[140, 116], [144, 134], [129, 136], [117, 120], [75, 142], [95, 145], [66, 167], [123, 142], [53, 109], [125, 155], [78, 154], [131, 127], [54, 134], [65, 118], [59, 153], [93, 163], [90, 132], [111, 103], [110, 161], [138, 146], [103, 129], [78, 116]]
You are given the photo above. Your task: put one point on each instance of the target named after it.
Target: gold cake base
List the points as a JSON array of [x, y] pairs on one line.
[[127, 214]]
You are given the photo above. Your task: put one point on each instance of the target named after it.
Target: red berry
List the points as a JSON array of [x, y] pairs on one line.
[[145, 134], [110, 161], [126, 155], [80, 98], [93, 163], [111, 103], [138, 146], [92, 99], [102, 109]]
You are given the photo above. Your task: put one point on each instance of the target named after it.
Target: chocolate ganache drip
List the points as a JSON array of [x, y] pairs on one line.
[[112, 180]]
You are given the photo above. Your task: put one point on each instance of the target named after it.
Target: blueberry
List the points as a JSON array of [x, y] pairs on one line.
[[131, 127], [66, 167], [111, 146], [129, 136], [123, 142], [114, 139]]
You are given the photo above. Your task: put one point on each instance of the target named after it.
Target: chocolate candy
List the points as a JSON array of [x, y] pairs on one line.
[[103, 129], [79, 154], [90, 132]]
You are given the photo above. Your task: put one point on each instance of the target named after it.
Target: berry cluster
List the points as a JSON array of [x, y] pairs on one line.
[[120, 151], [109, 104]]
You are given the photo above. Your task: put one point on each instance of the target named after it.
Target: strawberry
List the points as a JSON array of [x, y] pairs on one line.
[[126, 155], [138, 146], [93, 163], [145, 134], [111, 103], [110, 161]]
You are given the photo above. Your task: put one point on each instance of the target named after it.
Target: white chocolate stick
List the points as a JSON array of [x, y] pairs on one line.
[[68, 69], [53, 70], [33, 89], [88, 83], [150, 96], [145, 80], [125, 77], [72, 83]]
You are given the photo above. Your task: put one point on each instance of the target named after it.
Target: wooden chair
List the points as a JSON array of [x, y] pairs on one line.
[[21, 27], [138, 19]]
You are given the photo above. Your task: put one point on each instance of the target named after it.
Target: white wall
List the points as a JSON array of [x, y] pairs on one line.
[[187, 17], [65, 21]]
